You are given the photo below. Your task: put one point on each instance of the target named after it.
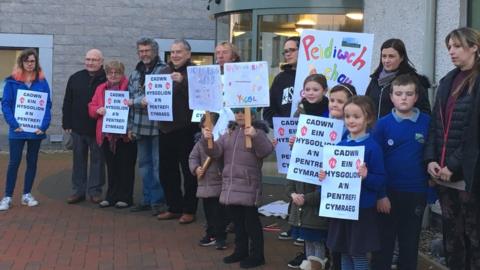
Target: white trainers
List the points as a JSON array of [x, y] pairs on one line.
[[5, 203], [28, 199]]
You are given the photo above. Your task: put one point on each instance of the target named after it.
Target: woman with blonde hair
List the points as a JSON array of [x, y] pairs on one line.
[[27, 75], [453, 148]]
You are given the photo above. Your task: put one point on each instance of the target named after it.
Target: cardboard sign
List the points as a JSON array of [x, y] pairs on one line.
[[246, 85], [283, 129], [313, 133], [342, 57], [205, 88], [197, 116], [30, 109], [159, 91], [341, 188], [116, 116]]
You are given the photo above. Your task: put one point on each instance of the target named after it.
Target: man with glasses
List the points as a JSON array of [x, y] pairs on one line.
[[87, 179], [281, 90], [143, 130]]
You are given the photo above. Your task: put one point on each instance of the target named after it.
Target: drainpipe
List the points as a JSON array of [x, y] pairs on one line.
[[429, 65], [429, 45]]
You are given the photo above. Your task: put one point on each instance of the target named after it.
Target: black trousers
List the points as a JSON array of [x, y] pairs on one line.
[[215, 214], [248, 230], [174, 148], [403, 224], [120, 170]]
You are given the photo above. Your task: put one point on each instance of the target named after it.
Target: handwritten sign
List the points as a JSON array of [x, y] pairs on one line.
[[343, 57], [341, 188], [116, 116], [246, 85], [283, 129], [30, 109], [313, 133], [205, 88], [159, 91]]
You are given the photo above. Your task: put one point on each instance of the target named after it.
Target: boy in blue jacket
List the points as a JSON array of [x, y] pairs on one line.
[[402, 134]]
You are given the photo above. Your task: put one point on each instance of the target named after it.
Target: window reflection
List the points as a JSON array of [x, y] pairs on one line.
[[237, 28]]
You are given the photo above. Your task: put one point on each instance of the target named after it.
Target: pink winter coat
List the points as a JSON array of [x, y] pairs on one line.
[[98, 101], [242, 171], [210, 185]]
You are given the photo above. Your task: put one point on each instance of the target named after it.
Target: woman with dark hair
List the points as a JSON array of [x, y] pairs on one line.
[[394, 61], [281, 90], [27, 75], [452, 150]]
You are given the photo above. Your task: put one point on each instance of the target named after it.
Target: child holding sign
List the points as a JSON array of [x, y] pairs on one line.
[[337, 97], [209, 176], [402, 135], [242, 185], [355, 238], [313, 93]]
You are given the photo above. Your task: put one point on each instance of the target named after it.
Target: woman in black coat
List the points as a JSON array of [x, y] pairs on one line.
[[393, 62]]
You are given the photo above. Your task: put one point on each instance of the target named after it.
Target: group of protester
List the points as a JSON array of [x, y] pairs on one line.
[[408, 148]]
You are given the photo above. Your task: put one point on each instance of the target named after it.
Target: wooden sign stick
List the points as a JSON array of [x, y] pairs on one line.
[[205, 166], [248, 123], [208, 124]]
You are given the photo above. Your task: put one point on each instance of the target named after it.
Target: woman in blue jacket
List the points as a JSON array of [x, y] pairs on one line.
[[26, 75]]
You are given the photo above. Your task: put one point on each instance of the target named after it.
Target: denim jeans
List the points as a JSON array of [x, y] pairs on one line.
[[16, 150], [149, 166]]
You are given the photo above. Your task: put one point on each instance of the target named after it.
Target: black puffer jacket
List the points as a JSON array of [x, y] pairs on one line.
[[462, 147], [381, 95]]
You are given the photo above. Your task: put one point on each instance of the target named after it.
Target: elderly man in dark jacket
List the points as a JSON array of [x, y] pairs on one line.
[[176, 141], [80, 89]]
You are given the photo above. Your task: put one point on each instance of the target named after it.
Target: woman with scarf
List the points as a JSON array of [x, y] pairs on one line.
[[393, 62], [119, 150]]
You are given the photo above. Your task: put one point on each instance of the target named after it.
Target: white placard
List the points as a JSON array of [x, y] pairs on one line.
[[159, 91], [283, 129], [116, 112], [340, 56], [246, 85], [313, 132], [30, 109], [205, 88], [341, 188], [197, 116]]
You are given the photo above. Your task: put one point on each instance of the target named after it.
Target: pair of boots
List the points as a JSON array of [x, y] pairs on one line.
[[313, 263]]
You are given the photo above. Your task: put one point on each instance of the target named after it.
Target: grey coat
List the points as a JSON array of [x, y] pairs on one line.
[[306, 216], [242, 172], [210, 185]]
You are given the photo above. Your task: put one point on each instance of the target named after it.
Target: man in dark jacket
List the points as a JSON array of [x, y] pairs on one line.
[[176, 141], [80, 89]]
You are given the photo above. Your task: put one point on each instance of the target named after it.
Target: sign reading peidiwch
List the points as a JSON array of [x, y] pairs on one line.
[[116, 112], [246, 85], [159, 91], [205, 88], [313, 133], [283, 129], [341, 188], [342, 57], [30, 109]]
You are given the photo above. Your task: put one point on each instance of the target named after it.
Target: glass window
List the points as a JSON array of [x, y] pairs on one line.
[[237, 28], [473, 14], [8, 58], [273, 30]]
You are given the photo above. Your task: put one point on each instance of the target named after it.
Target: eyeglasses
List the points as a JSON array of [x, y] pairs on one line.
[[144, 51], [114, 73], [29, 61], [289, 50], [92, 59]]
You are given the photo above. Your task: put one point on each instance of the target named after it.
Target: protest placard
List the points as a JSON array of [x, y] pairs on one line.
[[30, 109], [283, 129], [159, 91], [343, 57], [340, 196], [205, 88], [246, 85], [116, 112], [313, 133]]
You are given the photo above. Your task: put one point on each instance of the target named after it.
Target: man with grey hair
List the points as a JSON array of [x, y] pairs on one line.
[[176, 141], [80, 88], [143, 130]]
